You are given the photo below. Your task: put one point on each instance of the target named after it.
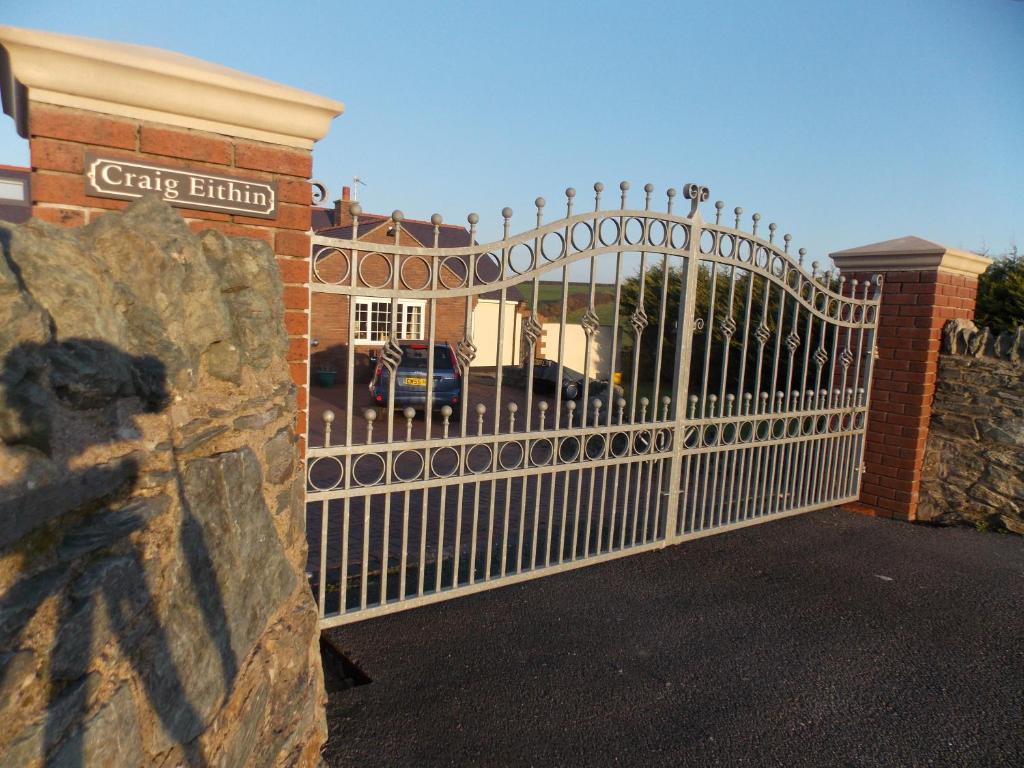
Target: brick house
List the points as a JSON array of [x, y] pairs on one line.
[[330, 312]]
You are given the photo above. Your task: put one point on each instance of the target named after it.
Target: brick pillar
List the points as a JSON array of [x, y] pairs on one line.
[[925, 285], [75, 96]]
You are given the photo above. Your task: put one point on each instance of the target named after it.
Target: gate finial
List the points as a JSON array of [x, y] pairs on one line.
[[696, 194]]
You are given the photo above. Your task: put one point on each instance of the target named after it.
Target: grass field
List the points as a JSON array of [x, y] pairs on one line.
[[549, 300]]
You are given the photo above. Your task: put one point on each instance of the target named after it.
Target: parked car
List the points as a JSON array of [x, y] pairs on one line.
[[545, 379], [411, 379]]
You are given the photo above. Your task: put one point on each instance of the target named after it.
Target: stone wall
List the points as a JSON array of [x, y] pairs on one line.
[[153, 605], [974, 462]]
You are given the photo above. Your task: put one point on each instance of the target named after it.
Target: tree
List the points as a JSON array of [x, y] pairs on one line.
[[1001, 292]]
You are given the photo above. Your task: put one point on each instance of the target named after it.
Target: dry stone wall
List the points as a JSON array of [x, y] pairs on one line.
[[153, 605], [974, 461]]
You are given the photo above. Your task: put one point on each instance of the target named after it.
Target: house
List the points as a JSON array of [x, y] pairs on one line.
[[373, 323], [15, 197]]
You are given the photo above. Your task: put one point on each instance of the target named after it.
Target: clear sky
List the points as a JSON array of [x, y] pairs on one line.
[[845, 122]]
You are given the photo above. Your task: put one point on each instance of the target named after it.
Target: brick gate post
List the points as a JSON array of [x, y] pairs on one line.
[[926, 284], [74, 97]]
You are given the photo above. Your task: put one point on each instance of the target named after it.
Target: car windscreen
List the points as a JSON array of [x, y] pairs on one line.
[[416, 357]]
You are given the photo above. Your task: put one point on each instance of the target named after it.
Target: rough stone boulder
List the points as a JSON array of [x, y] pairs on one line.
[[153, 604], [972, 466]]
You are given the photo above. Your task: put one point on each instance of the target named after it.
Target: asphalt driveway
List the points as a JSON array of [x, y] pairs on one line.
[[825, 639]]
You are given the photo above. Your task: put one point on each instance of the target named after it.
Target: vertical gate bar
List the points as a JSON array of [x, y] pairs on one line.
[[475, 532], [350, 419], [640, 315], [827, 491], [524, 491], [727, 328], [744, 472], [457, 546], [709, 326], [650, 470], [439, 557], [505, 531], [365, 576], [579, 482], [757, 478], [869, 369], [421, 576], [806, 394], [704, 487], [591, 327], [590, 493], [428, 408], [465, 354], [732, 456], [385, 553], [538, 245], [638, 337], [778, 454], [499, 360], [848, 349], [565, 506], [685, 321], [553, 477], [685, 506], [569, 193], [661, 329], [615, 483], [821, 403], [405, 546], [489, 552], [344, 554], [322, 575], [741, 395], [659, 503], [612, 400], [850, 459]]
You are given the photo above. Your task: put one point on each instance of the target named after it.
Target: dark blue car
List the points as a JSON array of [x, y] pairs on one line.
[[411, 379]]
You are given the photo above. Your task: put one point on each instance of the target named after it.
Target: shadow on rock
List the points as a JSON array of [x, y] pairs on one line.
[[82, 486]]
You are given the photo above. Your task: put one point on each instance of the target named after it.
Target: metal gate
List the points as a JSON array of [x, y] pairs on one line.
[[742, 396]]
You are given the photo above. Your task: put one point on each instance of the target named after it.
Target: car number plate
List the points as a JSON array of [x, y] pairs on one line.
[[416, 381]]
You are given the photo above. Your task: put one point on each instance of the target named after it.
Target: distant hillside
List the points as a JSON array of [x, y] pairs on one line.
[[549, 300]]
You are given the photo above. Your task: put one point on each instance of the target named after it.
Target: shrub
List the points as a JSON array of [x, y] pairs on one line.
[[1001, 293]]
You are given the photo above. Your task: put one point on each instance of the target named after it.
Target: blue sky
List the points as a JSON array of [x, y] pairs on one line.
[[845, 122]]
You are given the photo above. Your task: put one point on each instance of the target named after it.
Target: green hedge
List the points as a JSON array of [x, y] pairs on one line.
[[1001, 293]]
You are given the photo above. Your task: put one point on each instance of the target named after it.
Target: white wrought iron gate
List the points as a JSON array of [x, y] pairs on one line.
[[745, 381]]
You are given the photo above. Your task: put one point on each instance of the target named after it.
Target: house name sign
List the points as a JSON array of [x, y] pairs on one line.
[[128, 180]]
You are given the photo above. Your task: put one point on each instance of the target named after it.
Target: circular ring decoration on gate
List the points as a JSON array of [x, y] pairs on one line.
[[330, 485], [397, 463], [517, 459], [324, 254], [452, 464], [475, 462], [368, 475], [369, 258]]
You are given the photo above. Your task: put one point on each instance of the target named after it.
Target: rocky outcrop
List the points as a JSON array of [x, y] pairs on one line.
[[974, 461], [153, 604]]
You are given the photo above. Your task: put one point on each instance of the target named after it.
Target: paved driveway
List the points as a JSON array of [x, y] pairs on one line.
[[826, 639]]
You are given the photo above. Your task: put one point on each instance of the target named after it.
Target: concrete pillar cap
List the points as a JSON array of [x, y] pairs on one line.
[[910, 254], [144, 83]]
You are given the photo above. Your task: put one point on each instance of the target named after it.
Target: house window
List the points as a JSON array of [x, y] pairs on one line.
[[373, 320]]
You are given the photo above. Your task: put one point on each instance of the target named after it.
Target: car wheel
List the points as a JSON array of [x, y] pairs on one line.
[[571, 390]]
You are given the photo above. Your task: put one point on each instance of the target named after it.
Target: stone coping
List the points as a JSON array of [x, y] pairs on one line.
[[146, 83], [905, 254]]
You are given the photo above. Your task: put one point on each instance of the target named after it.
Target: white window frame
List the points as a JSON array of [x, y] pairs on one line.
[[368, 338]]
